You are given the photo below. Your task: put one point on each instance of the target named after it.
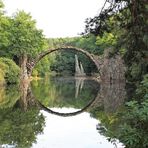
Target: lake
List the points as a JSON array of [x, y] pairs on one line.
[[58, 112]]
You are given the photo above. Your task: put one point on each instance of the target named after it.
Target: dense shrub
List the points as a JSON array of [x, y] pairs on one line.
[[2, 79], [131, 125], [3, 69], [9, 70], [35, 73], [133, 133]]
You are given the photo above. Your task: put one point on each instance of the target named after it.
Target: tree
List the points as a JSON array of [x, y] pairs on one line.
[[64, 62], [131, 18], [20, 40], [25, 40], [1, 7], [5, 26], [129, 125]]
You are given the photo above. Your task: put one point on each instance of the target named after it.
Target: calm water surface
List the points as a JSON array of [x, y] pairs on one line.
[[57, 113]]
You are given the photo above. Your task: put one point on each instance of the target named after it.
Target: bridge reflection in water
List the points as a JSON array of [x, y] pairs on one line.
[[75, 95], [79, 83], [28, 116], [108, 96]]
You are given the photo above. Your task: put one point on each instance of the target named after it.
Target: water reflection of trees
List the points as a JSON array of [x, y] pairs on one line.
[[63, 92], [9, 96], [20, 121], [85, 108], [105, 108], [23, 121], [129, 124], [70, 94], [20, 128]]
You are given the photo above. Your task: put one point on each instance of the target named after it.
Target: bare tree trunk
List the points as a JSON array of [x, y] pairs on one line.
[[24, 83], [23, 66]]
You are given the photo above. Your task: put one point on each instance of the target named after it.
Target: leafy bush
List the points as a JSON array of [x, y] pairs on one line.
[[35, 73], [131, 126], [2, 79], [10, 70], [3, 68], [133, 130], [142, 91]]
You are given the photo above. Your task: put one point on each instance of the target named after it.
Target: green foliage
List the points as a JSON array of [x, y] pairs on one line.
[[1, 4], [35, 73], [3, 69], [2, 79], [64, 62], [8, 96], [142, 90], [5, 26], [107, 40], [20, 38], [28, 124], [11, 71], [129, 20], [1, 7], [135, 72], [130, 126], [88, 43], [20, 126], [53, 92], [25, 37], [133, 133], [43, 67]]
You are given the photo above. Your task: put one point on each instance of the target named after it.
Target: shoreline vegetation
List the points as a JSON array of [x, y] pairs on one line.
[[93, 76], [9, 71], [121, 27]]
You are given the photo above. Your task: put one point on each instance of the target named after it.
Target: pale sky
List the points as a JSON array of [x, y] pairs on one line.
[[57, 18]]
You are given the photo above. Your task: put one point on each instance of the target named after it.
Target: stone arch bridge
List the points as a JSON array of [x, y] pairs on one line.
[[92, 57]]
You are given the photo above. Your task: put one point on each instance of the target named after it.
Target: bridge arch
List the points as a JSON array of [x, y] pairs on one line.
[[68, 114], [92, 57]]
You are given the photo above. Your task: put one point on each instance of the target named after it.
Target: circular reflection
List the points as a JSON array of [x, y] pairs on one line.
[[67, 114], [67, 48], [43, 107]]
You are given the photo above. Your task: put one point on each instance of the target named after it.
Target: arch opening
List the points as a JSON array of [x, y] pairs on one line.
[[91, 57]]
